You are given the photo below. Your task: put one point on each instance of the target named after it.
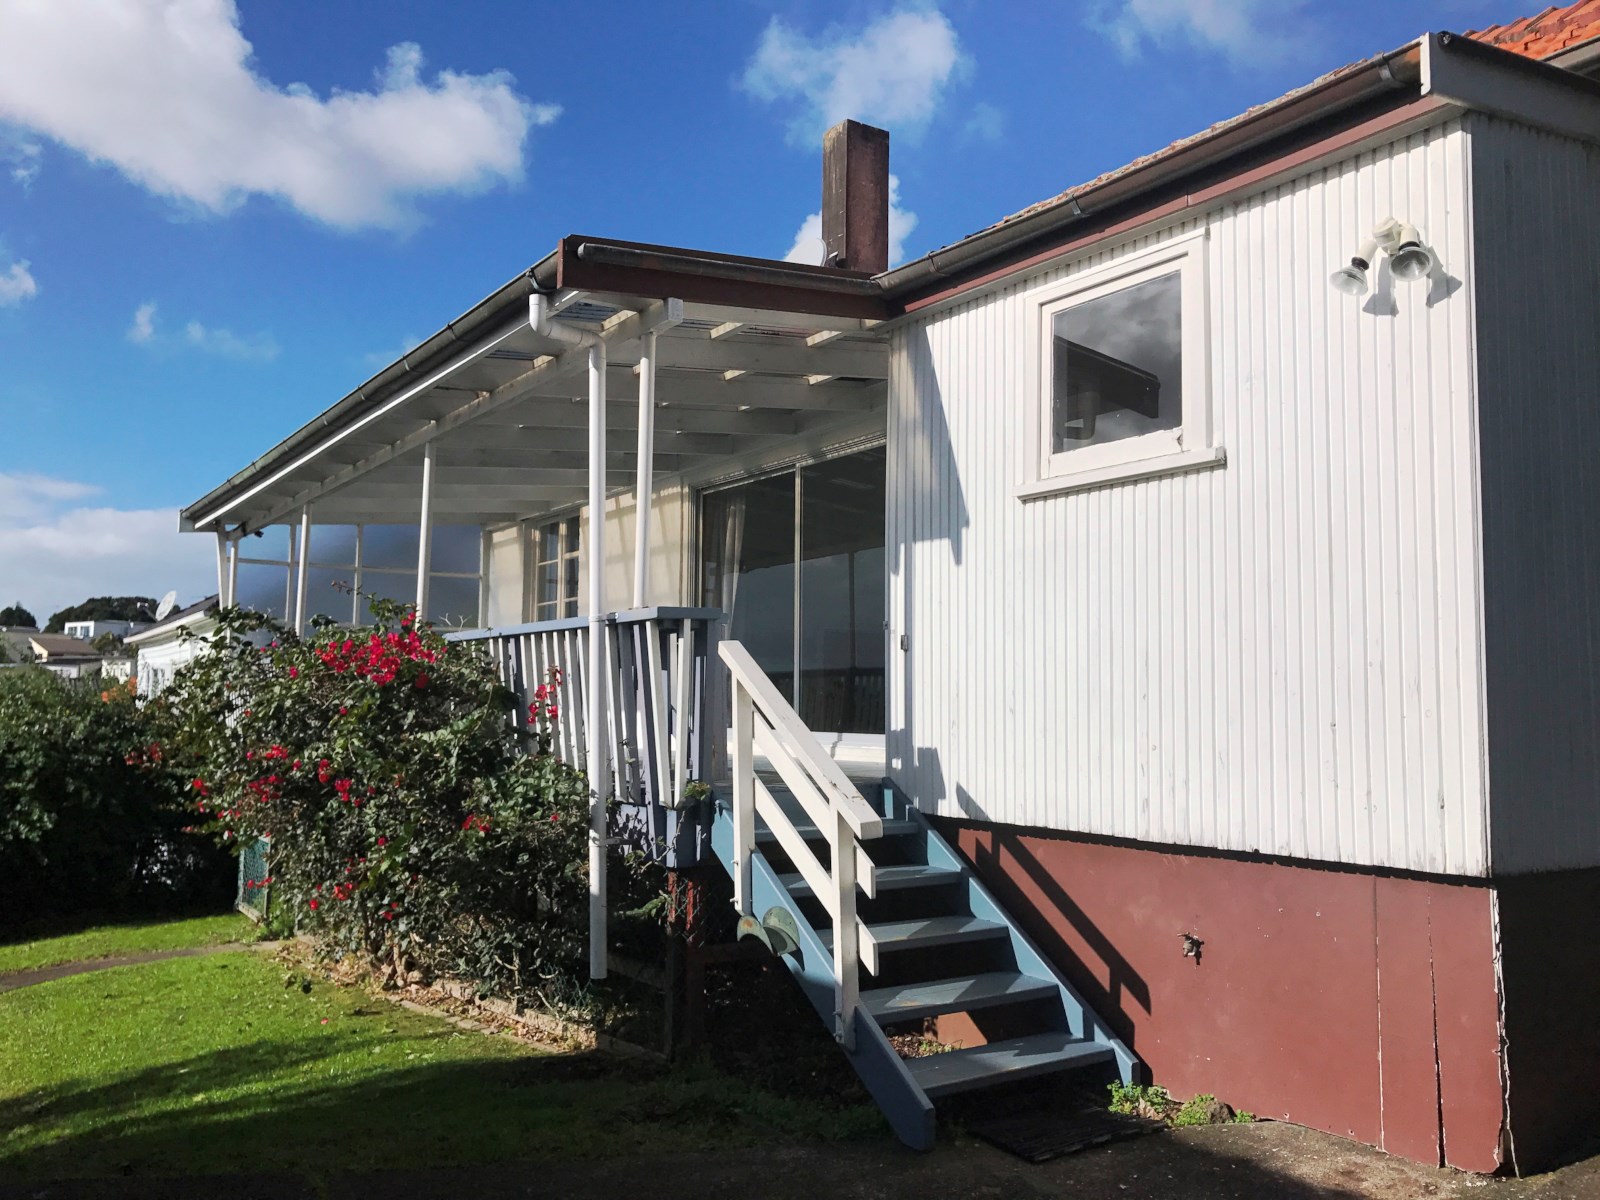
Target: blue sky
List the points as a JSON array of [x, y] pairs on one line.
[[216, 219]]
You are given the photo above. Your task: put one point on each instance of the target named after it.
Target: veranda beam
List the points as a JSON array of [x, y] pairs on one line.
[[620, 328]]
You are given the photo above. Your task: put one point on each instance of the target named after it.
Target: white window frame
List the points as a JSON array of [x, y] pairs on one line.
[[536, 561], [1189, 447]]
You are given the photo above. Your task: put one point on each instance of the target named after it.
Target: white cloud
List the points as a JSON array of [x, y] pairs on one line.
[[57, 550], [165, 91], [892, 72], [21, 156], [17, 284], [144, 323], [808, 246], [1245, 31], [985, 122], [249, 347], [252, 347]]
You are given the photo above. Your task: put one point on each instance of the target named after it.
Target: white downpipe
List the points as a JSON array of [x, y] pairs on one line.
[[301, 569], [222, 567], [644, 483], [595, 716], [425, 530]]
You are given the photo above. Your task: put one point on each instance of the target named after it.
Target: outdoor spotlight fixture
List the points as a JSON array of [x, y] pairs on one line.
[[1409, 258], [1351, 279]]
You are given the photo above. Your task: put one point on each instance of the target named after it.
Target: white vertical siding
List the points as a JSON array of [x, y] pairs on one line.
[[1281, 655], [1538, 301]]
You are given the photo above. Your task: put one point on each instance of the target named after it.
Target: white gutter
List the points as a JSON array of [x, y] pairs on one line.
[[595, 717], [1461, 71]]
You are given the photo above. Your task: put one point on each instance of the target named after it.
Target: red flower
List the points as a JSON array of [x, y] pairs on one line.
[[294, 672], [313, 906], [199, 785], [383, 841], [422, 680]]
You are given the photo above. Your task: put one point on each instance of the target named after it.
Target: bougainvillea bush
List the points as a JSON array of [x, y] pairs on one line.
[[411, 824], [91, 819]]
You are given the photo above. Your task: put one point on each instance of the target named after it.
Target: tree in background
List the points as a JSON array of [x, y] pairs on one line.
[[15, 614], [107, 643], [104, 608]]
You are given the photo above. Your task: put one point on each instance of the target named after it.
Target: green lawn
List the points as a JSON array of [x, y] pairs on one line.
[[114, 941], [220, 1063]]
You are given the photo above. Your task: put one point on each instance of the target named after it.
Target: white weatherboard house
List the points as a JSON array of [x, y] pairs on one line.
[[1226, 634], [172, 642]]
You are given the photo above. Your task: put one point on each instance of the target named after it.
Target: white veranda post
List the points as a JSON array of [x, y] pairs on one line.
[[643, 472], [425, 530], [595, 716], [301, 561]]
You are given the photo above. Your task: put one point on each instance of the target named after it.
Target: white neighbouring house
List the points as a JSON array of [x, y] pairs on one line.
[[162, 648], [89, 630], [1172, 590]]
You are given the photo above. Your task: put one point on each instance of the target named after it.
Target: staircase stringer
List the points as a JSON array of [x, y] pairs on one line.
[[876, 1063], [1084, 1021]]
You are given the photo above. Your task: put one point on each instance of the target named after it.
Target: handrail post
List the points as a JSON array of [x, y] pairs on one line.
[[744, 817], [846, 934]]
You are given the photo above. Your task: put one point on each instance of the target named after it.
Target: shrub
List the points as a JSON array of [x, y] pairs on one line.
[[410, 823], [90, 818]]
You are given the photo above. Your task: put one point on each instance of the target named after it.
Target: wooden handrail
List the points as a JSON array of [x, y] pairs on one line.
[[763, 719], [849, 803]]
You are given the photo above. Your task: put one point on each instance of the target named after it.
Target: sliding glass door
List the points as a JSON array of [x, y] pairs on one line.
[[797, 561]]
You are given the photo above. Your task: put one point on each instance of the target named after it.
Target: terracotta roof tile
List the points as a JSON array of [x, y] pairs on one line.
[[1545, 33]]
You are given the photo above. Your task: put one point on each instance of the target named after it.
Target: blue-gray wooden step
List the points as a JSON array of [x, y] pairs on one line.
[[897, 827], [908, 875], [1001, 1062], [966, 993], [922, 932]]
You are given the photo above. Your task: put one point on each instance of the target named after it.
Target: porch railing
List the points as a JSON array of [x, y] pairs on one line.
[[659, 705], [765, 724]]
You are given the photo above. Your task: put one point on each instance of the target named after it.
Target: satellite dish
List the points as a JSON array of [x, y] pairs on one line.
[[168, 603]]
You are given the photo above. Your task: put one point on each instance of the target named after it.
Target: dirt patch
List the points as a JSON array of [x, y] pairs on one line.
[[1265, 1161], [21, 979]]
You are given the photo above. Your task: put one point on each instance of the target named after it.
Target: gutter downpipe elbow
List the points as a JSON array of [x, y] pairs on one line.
[[596, 686]]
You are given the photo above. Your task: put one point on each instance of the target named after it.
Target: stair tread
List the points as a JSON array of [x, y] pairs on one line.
[[1015, 1058], [925, 931], [963, 993], [899, 876], [892, 827]]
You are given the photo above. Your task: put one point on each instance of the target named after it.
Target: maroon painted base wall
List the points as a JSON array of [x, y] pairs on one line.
[[1550, 970], [1352, 1002]]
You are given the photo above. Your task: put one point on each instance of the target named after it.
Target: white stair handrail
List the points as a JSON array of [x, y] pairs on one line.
[[761, 716]]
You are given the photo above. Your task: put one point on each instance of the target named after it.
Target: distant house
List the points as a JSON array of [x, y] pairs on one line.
[[161, 649], [89, 630], [70, 657], [14, 648]]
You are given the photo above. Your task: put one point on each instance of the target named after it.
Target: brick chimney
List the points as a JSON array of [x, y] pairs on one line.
[[855, 197]]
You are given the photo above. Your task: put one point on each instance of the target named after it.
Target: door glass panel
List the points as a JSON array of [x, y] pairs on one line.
[[749, 570], [842, 602]]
